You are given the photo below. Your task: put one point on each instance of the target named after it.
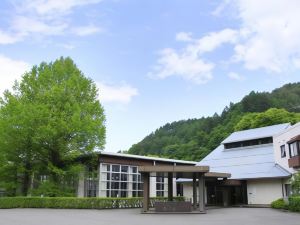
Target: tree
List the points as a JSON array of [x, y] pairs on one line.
[[50, 118], [270, 117], [295, 184]]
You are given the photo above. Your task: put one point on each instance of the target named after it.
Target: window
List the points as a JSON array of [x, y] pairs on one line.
[[294, 149], [160, 185], [115, 168], [120, 181], [282, 150], [253, 142]]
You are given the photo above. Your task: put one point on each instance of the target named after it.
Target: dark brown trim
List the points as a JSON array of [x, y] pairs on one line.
[[296, 138]]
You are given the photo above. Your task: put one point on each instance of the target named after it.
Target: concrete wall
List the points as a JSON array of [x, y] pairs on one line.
[[282, 139], [80, 189], [264, 191], [188, 192]]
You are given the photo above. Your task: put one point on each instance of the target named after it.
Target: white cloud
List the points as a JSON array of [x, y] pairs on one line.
[[116, 93], [8, 38], [40, 18], [235, 76], [189, 63], [54, 8], [86, 30], [184, 65], [11, 70], [184, 36], [271, 41], [26, 26], [267, 39]]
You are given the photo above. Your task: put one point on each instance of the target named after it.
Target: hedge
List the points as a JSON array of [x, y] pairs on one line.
[[76, 203], [293, 205], [279, 204]]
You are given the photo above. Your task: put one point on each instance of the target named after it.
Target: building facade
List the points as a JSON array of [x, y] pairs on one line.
[[117, 175], [261, 162]]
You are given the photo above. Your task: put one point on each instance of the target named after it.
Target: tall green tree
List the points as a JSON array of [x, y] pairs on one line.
[[270, 117], [50, 118]]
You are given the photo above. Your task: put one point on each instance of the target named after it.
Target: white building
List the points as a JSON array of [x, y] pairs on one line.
[[261, 162], [117, 175]]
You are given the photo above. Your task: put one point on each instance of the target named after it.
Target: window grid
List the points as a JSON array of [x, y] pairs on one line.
[[121, 180]]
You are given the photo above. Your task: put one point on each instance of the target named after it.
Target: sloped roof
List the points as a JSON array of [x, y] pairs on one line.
[[256, 133], [245, 163], [146, 157]]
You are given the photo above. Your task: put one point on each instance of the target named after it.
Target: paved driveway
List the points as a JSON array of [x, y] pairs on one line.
[[230, 216]]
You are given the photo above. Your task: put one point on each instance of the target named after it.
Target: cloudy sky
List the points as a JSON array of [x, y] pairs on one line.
[[156, 61]]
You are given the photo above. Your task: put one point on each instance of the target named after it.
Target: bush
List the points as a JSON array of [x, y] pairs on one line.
[[294, 203], [279, 204], [76, 203], [50, 189]]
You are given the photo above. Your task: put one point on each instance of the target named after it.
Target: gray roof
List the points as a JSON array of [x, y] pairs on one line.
[[245, 163], [256, 133], [146, 157]]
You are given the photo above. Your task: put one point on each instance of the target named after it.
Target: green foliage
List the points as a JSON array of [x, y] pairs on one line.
[[279, 204], [76, 203], [295, 184], [193, 139], [270, 117], [51, 117], [51, 189], [294, 203]]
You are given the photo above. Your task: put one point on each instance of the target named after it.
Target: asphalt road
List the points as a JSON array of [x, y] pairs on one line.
[[223, 216]]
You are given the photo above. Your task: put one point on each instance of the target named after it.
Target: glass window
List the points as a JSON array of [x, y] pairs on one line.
[[115, 185], [134, 177], [123, 194], [115, 168], [124, 177], [293, 147], [124, 185], [115, 176], [107, 167], [108, 176], [114, 194], [134, 169], [124, 169], [160, 193], [134, 186], [107, 193], [160, 186], [282, 149], [107, 185]]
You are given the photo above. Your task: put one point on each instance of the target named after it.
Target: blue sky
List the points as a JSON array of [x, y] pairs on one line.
[[156, 61]]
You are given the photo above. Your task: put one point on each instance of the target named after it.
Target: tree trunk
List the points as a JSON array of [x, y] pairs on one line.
[[26, 179]]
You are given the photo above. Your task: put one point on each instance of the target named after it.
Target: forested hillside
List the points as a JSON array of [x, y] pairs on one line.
[[193, 139]]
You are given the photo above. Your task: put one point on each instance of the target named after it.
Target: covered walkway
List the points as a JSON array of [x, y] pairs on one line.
[[196, 173]]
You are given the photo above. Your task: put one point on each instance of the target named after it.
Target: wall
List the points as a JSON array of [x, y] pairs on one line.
[[188, 192], [282, 139], [264, 191], [80, 189]]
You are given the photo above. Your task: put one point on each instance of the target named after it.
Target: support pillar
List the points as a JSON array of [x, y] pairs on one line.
[[170, 186], [201, 193], [146, 194], [194, 191]]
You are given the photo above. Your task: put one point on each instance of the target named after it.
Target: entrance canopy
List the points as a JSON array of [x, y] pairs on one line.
[[193, 172]]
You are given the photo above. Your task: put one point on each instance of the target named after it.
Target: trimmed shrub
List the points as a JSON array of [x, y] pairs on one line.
[[76, 203], [279, 204], [294, 203]]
